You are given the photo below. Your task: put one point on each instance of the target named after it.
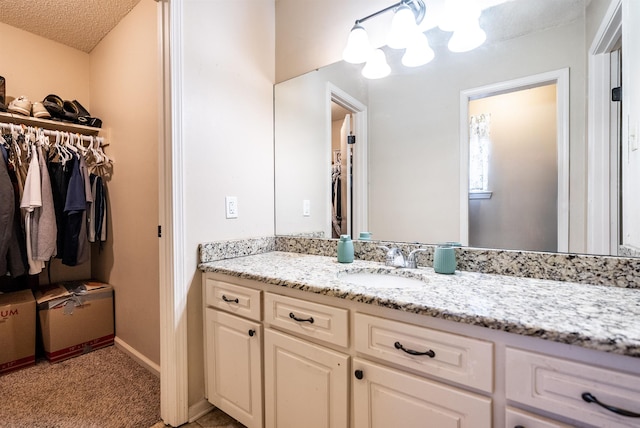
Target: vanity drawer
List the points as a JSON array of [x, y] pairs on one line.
[[556, 385], [307, 319], [456, 358], [233, 298], [517, 418]]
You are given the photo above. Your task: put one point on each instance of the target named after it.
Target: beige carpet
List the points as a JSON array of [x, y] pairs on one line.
[[101, 389]]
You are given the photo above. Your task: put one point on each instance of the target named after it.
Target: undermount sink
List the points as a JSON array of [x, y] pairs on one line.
[[382, 279]]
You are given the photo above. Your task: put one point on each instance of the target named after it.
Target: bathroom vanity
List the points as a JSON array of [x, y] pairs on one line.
[[289, 338]]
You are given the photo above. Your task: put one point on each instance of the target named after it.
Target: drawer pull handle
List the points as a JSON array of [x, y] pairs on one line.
[[359, 375], [226, 299], [589, 398], [252, 332], [293, 317], [428, 353]]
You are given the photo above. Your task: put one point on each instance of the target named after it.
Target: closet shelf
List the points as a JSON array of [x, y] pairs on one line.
[[53, 125]]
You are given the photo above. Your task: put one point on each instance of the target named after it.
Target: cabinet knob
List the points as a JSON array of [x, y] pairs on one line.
[[359, 374], [252, 332]]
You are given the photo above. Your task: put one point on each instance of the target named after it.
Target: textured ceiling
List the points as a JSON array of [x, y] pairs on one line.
[[80, 24]]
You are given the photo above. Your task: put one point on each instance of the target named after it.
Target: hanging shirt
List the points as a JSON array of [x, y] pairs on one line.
[[47, 228], [32, 201], [7, 210], [74, 208]]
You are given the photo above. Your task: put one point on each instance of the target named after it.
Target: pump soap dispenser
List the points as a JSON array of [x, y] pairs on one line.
[[345, 249]]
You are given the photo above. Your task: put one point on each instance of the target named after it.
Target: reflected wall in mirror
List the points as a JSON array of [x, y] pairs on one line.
[[410, 150]]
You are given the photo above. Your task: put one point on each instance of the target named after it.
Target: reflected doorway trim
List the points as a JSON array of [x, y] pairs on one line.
[[561, 79], [360, 220], [602, 157]]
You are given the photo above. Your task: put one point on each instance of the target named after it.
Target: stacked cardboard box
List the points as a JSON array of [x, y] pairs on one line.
[[75, 318], [17, 330]]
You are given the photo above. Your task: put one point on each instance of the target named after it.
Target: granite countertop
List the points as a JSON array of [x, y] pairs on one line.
[[592, 316]]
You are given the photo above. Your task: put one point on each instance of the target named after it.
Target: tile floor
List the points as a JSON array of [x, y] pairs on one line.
[[214, 419]]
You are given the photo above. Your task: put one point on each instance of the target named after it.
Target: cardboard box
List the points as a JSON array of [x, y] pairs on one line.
[[75, 318], [17, 330]]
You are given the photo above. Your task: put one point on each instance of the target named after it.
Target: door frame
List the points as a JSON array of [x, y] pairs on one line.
[[561, 79], [174, 373], [360, 219], [602, 166]]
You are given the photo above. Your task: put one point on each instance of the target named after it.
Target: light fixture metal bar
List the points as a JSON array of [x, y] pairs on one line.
[[417, 6]]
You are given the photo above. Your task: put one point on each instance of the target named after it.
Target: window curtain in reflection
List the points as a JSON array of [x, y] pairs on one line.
[[479, 146]]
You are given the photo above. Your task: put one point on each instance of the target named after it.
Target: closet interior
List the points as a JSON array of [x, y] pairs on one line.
[[115, 166]]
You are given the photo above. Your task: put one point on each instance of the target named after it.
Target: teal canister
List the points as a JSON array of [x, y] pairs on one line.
[[345, 249], [444, 259]]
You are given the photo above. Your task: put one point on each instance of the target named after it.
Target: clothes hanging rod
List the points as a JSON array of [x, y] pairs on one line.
[[53, 133]]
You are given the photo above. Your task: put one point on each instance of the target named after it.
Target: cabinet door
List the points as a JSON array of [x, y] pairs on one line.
[[384, 397], [306, 385], [234, 370]]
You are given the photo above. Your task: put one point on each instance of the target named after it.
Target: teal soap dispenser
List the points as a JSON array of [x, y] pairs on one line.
[[345, 249]]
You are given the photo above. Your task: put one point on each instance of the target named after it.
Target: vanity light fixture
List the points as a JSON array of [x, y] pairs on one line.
[[459, 16]]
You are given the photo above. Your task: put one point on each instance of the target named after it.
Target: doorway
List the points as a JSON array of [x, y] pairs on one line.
[[348, 135], [513, 170], [559, 79]]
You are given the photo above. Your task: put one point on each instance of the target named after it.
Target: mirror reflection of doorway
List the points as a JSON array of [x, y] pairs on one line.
[[513, 176], [341, 171]]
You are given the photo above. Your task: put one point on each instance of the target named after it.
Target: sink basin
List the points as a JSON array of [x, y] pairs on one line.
[[382, 279]]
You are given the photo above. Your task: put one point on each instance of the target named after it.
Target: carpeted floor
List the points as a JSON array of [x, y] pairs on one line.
[[101, 389]]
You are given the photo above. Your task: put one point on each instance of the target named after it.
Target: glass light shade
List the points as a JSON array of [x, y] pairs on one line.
[[458, 13], [467, 38], [376, 67], [403, 26], [358, 47], [418, 51]]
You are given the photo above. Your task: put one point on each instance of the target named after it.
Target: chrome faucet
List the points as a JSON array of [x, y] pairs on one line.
[[412, 262], [395, 258]]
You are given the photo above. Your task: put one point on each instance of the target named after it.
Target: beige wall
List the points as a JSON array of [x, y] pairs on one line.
[[523, 175], [227, 135], [124, 90], [52, 68], [36, 67]]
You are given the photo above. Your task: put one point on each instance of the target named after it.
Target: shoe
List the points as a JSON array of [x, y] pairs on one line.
[[84, 117], [69, 112], [54, 105], [38, 110], [20, 105]]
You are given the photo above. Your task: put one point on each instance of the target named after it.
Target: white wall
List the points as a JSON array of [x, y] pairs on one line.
[[124, 94], [414, 162], [303, 152], [228, 76]]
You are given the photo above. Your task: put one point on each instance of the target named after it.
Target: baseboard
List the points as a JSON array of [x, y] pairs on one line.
[[140, 359], [201, 408]]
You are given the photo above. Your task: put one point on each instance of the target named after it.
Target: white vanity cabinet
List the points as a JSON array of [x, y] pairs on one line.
[[306, 383], [385, 397], [233, 351], [516, 418], [557, 385]]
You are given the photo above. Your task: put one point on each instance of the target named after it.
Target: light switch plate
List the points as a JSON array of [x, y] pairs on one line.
[[231, 204]]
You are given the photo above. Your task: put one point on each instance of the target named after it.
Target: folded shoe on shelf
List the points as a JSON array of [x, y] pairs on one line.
[[84, 117], [70, 112], [53, 104], [20, 105], [38, 109]]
